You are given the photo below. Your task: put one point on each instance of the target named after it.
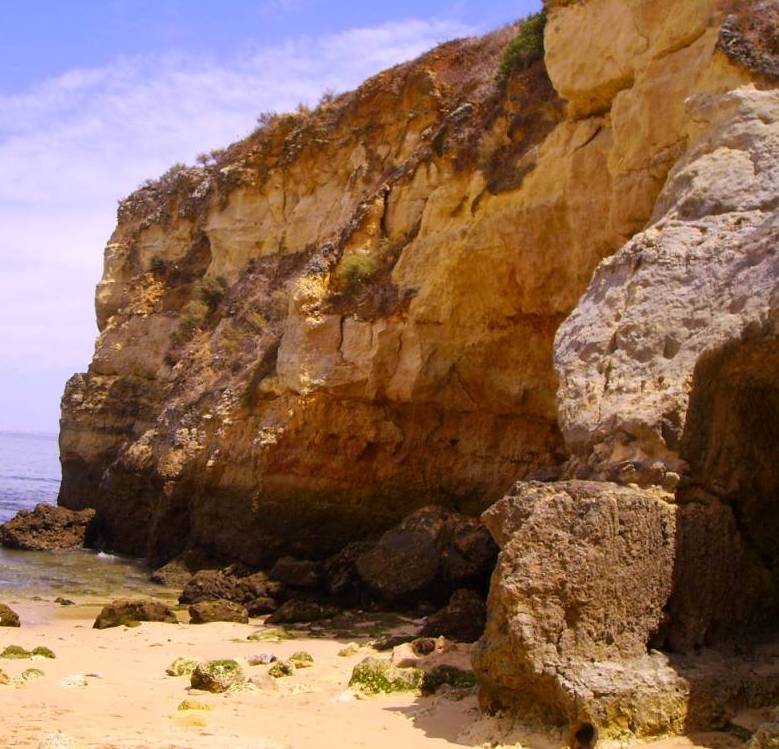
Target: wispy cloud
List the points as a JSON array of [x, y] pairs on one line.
[[71, 146]]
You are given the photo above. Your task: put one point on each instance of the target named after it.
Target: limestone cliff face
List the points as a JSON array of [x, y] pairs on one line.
[[639, 601], [352, 312]]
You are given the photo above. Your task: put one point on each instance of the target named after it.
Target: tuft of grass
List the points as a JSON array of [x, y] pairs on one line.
[[355, 271], [526, 48], [192, 318], [212, 291]]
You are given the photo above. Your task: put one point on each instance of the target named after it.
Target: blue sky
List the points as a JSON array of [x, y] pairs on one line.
[[97, 95]]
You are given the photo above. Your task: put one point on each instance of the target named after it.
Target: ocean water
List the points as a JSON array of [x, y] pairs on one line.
[[29, 474]]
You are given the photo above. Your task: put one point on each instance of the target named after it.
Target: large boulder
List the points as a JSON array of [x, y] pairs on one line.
[[129, 612], [46, 528], [8, 617], [583, 576], [205, 612], [431, 553]]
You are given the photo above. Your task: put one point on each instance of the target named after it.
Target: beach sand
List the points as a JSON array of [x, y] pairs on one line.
[[129, 702]]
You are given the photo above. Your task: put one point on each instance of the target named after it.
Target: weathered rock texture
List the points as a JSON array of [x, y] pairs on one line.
[[644, 600], [351, 314], [384, 304], [47, 528]]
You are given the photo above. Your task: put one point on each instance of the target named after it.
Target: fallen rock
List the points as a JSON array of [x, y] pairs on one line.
[[461, 620], [431, 553], [210, 585], [262, 659], [217, 676], [64, 601], [193, 705], [587, 566], [457, 678], [8, 617], [4, 677], [182, 667], [342, 579], [30, 674], [298, 611], [297, 573], [46, 528], [349, 650], [261, 606], [15, 652], [275, 634], [378, 676], [280, 669], [127, 612], [301, 659], [177, 572], [204, 612]]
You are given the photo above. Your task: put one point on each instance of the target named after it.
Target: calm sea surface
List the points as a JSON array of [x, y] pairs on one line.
[[29, 474]]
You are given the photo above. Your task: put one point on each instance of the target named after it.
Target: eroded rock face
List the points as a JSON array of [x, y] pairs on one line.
[[701, 277], [351, 315], [47, 528]]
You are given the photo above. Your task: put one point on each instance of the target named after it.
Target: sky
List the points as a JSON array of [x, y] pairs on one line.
[[98, 95]]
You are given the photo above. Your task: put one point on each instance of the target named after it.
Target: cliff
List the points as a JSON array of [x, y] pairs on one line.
[[352, 312], [482, 267]]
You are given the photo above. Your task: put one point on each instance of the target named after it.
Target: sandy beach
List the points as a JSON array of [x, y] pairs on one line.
[[130, 703]]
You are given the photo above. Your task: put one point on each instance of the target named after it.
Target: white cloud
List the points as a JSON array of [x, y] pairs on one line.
[[71, 146]]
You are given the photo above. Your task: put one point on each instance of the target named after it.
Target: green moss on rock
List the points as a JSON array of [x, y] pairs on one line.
[[302, 659], [377, 676], [217, 676], [15, 652], [271, 635], [32, 673], [43, 652], [193, 705], [451, 675], [281, 669], [182, 667]]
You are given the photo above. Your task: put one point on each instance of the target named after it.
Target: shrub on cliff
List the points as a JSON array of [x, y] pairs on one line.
[[355, 271], [526, 48]]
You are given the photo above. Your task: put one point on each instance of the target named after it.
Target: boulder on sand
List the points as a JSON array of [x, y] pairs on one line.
[[129, 612], [220, 610], [8, 617]]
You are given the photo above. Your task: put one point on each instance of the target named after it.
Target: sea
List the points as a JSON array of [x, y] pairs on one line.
[[30, 474]]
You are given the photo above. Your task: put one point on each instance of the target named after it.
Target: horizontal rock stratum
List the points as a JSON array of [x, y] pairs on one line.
[[459, 277]]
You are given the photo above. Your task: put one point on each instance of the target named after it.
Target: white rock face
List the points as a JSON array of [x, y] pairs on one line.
[[704, 274]]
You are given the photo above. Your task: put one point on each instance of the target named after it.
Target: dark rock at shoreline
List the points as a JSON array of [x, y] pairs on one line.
[[297, 573], [47, 528], [8, 617], [462, 619], [128, 612], [261, 606], [209, 585], [297, 611], [432, 552], [177, 572], [218, 611]]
